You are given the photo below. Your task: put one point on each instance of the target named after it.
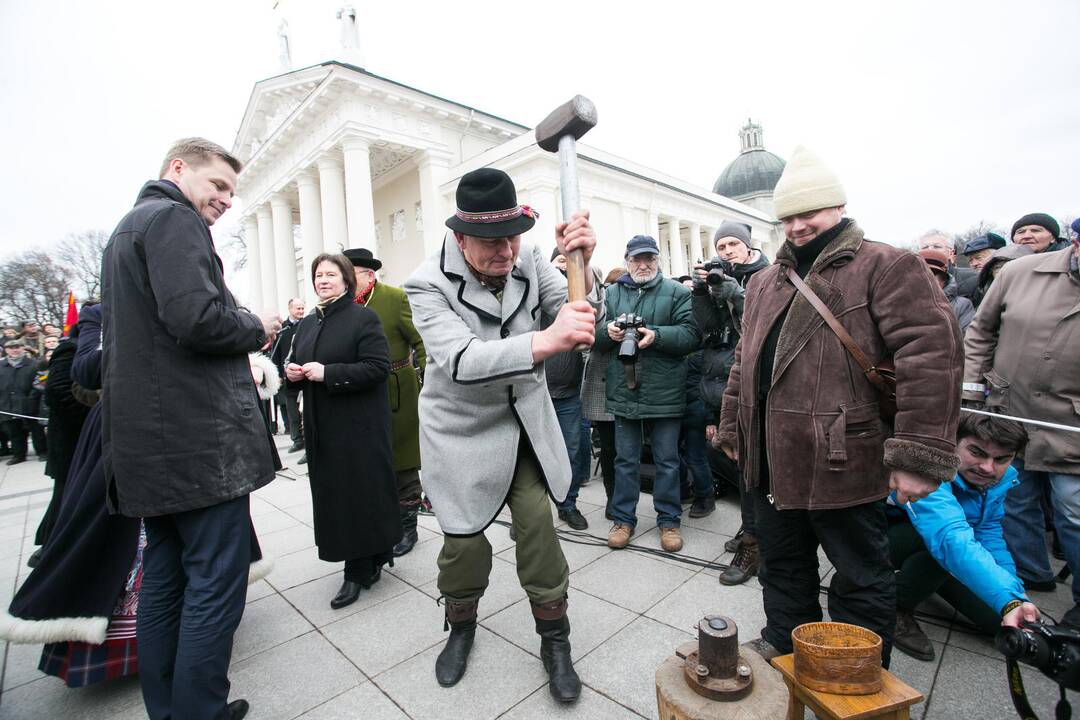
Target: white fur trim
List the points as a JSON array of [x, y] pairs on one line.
[[271, 381], [260, 569], [81, 629]]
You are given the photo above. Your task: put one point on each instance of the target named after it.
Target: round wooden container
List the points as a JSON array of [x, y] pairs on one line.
[[837, 658]]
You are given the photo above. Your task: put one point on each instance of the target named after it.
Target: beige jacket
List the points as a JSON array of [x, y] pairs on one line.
[[1024, 345]]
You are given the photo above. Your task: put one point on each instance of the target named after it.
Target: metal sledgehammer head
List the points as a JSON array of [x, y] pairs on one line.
[[575, 117]]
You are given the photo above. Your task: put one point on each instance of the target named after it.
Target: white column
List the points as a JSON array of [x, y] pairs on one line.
[[254, 260], [706, 242], [335, 232], [359, 204], [284, 250], [675, 247], [266, 245], [695, 247], [432, 169], [311, 234]]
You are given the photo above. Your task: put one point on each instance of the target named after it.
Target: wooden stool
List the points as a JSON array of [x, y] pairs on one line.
[[892, 702]]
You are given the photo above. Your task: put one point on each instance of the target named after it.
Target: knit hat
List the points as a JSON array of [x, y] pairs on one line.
[[1042, 220], [1076, 226], [805, 185], [732, 229]]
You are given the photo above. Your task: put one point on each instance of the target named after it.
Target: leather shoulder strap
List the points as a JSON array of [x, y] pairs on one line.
[[830, 319]]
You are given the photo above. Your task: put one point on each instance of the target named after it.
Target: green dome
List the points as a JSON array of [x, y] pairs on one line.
[[754, 171]]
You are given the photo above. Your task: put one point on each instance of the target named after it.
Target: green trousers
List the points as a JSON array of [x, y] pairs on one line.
[[918, 576], [465, 562]]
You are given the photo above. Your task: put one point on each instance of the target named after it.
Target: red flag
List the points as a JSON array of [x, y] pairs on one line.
[[72, 314]]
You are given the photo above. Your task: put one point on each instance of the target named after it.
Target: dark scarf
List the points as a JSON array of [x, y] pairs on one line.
[[494, 283], [805, 255]]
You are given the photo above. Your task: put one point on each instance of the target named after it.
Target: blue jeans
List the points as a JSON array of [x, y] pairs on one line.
[[1025, 526], [697, 463], [195, 571], [664, 438], [568, 410], [582, 464]]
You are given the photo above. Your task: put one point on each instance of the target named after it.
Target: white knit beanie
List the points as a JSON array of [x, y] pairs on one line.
[[805, 185]]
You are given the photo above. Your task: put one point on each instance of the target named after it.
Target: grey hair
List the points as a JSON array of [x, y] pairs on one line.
[[936, 233]]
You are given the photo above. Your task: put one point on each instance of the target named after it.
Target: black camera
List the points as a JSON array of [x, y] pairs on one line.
[[628, 348], [717, 270], [1050, 648]]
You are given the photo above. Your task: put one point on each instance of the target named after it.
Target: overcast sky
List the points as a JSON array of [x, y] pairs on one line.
[[933, 114]]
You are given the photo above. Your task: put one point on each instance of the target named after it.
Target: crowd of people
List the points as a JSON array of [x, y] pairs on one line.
[[860, 398]]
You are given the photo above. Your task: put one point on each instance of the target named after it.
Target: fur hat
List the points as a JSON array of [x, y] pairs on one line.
[[732, 229], [805, 185]]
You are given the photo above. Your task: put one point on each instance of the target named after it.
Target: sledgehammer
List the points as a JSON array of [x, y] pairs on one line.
[[559, 132]]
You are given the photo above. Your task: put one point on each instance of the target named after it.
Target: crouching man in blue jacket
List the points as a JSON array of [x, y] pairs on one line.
[[951, 543]]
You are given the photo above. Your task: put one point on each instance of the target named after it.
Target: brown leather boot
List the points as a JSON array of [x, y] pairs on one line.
[[450, 665], [553, 627], [745, 563]]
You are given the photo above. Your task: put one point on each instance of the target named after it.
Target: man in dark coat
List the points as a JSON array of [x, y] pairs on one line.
[[391, 304], [183, 440], [289, 394], [804, 422], [718, 310], [17, 372]]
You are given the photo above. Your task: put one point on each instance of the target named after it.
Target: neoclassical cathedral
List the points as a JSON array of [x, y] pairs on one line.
[[337, 157]]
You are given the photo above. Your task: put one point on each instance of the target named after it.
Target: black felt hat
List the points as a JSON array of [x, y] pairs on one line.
[[362, 257], [487, 206]]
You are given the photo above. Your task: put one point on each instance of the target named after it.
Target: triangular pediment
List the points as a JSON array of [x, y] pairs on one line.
[[271, 103]]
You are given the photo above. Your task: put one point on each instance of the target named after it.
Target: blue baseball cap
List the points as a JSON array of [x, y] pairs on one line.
[[989, 241], [640, 244]]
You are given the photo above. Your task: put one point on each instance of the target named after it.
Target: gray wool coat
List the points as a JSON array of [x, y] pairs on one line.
[[482, 389]]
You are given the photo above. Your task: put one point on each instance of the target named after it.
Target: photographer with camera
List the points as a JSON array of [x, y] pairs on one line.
[[952, 543], [646, 387], [717, 303]]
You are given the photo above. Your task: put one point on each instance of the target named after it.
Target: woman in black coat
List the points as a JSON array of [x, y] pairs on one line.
[[341, 361]]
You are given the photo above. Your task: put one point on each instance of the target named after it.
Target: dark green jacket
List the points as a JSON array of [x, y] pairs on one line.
[[661, 368]]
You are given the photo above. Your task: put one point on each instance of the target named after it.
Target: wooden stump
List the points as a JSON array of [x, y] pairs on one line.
[[676, 701]]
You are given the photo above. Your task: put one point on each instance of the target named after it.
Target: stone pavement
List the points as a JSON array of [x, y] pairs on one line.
[[294, 657]]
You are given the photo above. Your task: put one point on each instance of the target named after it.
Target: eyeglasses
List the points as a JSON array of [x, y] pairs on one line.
[[642, 259]]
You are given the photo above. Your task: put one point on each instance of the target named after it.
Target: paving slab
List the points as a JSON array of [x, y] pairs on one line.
[[499, 676], [624, 667], [702, 595], [293, 677], [700, 544], [300, 567], [592, 621], [378, 638], [630, 580], [970, 685], [366, 701], [919, 674], [312, 599], [292, 538], [267, 623], [590, 706], [419, 567], [50, 698]]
